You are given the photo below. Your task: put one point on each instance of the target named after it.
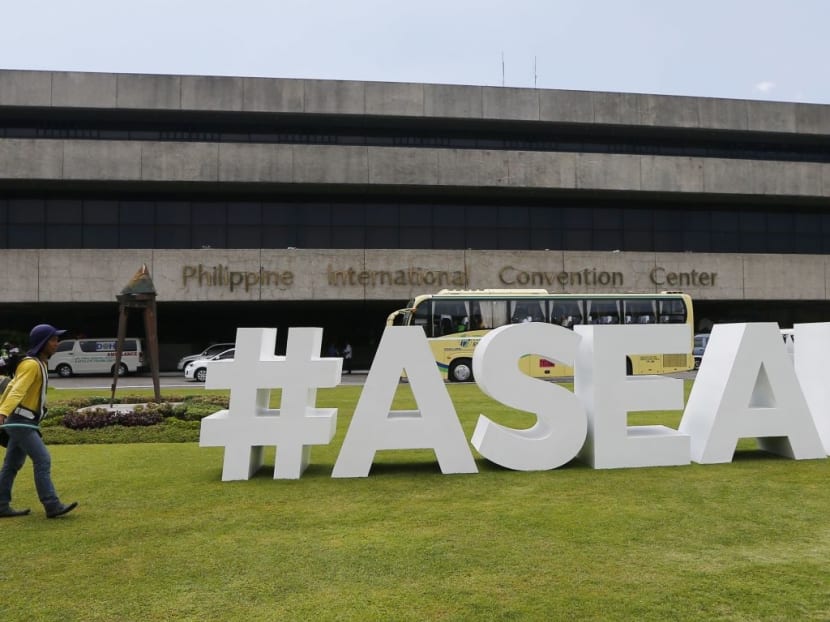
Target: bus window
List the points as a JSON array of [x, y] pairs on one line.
[[639, 312], [527, 311], [493, 313], [566, 313], [672, 311], [603, 312], [450, 316]]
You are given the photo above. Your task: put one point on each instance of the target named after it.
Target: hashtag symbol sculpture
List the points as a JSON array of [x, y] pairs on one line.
[[248, 426]]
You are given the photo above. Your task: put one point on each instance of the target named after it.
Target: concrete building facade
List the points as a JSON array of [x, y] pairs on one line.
[[284, 202]]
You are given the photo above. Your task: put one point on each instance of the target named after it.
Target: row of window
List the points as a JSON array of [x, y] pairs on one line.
[[53, 223], [538, 137], [445, 317]]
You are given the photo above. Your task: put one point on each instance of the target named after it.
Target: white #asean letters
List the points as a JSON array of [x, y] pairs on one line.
[[746, 387]]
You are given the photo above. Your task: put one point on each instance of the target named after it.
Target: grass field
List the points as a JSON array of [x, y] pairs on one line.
[[158, 536]]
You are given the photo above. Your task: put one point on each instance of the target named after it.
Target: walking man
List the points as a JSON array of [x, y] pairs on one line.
[[22, 407]]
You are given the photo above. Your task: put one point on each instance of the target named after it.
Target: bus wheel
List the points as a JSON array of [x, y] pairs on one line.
[[461, 371]]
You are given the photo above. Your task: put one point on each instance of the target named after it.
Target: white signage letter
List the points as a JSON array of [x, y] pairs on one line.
[[601, 383], [561, 423], [812, 342], [746, 387], [435, 425], [248, 425]]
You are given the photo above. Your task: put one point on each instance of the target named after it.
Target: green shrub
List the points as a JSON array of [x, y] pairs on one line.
[[102, 417]]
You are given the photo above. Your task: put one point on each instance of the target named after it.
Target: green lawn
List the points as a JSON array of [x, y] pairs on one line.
[[158, 536]]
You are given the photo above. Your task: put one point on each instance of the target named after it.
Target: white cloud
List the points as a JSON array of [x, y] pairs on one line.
[[765, 87]]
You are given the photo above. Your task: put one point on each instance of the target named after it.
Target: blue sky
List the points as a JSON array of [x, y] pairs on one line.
[[752, 49]]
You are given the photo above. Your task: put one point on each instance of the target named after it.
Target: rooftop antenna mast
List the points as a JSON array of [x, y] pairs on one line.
[[502, 68], [534, 72]]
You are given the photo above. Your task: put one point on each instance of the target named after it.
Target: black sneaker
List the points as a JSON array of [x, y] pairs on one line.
[[60, 510], [9, 512]]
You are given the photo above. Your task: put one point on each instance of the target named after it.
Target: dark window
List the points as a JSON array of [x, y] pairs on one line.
[[416, 237], [315, 237], [489, 216], [724, 241], [279, 214], [381, 215], [608, 240], [724, 221], [697, 241], [64, 212], [753, 242], [208, 214], [482, 239], [349, 237], [65, 236], [65, 346], [101, 212], [638, 219], [382, 237], [173, 236], [136, 213], [448, 216], [513, 239], [638, 241], [244, 214], [274, 236], [577, 240], [26, 211], [807, 223], [753, 222], [209, 236], [545, 216], [577, 218], [353, 215], [173, 213], [449, 238], [101, 236], [607, 218], [26, 236], [135, 236], [668, 241], [241, 236], [667, 220], [4, 215], [415, 215], [545, 239]]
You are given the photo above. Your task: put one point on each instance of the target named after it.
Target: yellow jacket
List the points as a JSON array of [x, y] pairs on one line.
[[26, 389]]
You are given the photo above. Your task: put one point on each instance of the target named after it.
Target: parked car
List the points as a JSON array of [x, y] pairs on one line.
[[700, 347], [208, 352], [96, 356], [197, 370]]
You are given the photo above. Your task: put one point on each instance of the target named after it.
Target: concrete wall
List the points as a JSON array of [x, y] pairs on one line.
[[251, 275], [32, 159], [171, 92]]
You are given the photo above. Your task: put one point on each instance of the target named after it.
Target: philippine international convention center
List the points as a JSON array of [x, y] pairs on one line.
[[290, 202]]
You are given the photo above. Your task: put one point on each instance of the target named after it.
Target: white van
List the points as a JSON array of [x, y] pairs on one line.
[[96, 356]]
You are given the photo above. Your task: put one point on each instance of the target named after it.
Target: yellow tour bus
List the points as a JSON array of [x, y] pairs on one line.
[[455, 321]]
